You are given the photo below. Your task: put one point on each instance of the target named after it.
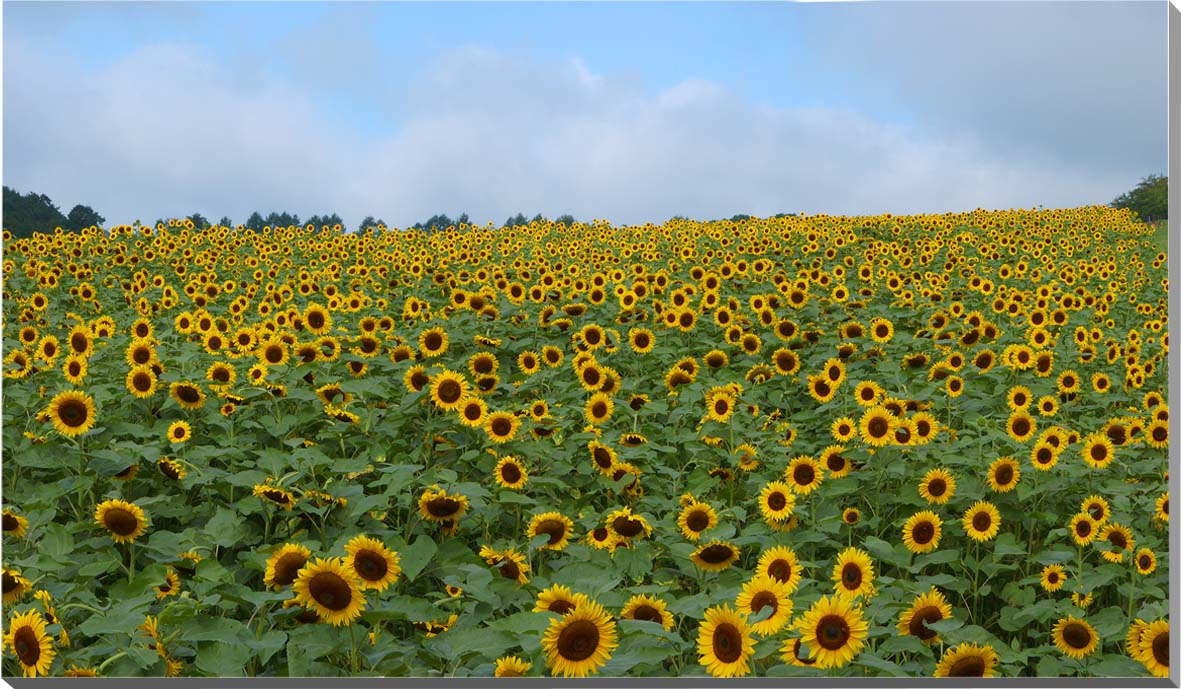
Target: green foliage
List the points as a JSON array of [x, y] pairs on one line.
[[1150, 198]]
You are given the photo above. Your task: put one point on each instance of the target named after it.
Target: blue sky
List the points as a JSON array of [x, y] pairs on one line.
[[627, 111]]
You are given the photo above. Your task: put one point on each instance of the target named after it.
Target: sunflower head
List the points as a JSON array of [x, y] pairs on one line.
[[330, 589], [124, 520], [580, 642], [724, 642], [835, 631]]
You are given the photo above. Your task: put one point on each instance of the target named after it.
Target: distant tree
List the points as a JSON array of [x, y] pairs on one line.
[[566, 219], [739, 217], [514, 220], [436, 222], [81, 217], [31, 212], [199, 221], [463, 220], [1149, 200], [225, 221], [255, 221], [283, 219]]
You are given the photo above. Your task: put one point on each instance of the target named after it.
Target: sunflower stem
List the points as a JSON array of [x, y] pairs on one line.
[[1131, 596], [130, 561], [110, 660], [353, 652]]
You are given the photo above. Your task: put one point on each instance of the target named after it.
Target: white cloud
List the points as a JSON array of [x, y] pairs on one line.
[[169, 130]]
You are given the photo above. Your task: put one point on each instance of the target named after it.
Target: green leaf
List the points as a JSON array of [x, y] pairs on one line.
[[224, 528], [222, 659], [415, 556]]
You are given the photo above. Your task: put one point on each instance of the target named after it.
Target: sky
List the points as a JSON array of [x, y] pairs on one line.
[[629, 112]]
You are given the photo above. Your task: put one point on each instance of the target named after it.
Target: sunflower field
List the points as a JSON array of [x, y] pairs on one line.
[[803, 446]]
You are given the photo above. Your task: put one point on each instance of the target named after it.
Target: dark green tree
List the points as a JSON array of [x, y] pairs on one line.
[[31, 212], [566, 219], [199, 221], [225, 221], [1149, 200], [81, 217], [255, 221]]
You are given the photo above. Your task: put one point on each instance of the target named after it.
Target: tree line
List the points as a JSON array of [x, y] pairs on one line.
[[1149, 200]]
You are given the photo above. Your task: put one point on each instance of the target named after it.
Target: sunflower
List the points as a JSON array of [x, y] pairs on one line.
[[780, 563], [580, 642], [1162, 508], [330, 589], [275, 496], [1145, 561], [647, 608], [81, 342], [15, 586], [1153, 648], [74, 369], [1098, 508], [432, 342], [1157, 434], [834, 629], [75, 671], [803, 474], [852, 575], [927, 608], [32, 646], [762, 591], [448, 390], [179, 432], [1098, 451], [968, 660], [509, 563], [14, 524], [72, 413], [171, 468], [141, 382], [982, 521], [511, 666], [724, 642], [1119, 537], [776, 501], [1076, 638], [187, 395], [125, 520], [937, 486], [1003, 475], [877, 425], [714, 556], [559, 599], [375, 565], [834, 460], [170, 587], [868, 393], [284, 564], [599, 408], [436, 505], [510, 473], [1083, 528], [628, 525], [556, 526], [720, 403], [1053, 578], [501, 426], [1021, 426], [921, 532], [697, 518]]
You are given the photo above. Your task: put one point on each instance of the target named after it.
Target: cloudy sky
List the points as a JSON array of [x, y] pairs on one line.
[[632, 112]]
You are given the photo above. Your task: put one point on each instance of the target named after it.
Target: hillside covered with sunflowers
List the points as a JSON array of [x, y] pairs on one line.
[[893, 446]]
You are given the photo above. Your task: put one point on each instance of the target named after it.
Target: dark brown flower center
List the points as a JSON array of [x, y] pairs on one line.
[[10, 522], [1021, 427], [432, 341], [1160, 648], [554, 528], [120, 521], [832, 632], [561, 606], [287, 568], [981, 521], [579, 640], [967, 666], [1076, 635], [763, 599], [803, 474], [727, 643], [442, 506], [141, 381], [1145, 562], [502, 426], [330, 590], [851, 576], [370, 565], [923, 532], [188, 394], [510, 474], [1004, 474], [716, 553], [776, 501], [937, 487], [509, 569], [1118, 540], [780, 570], [450, 391], [626, 526], [24, 642], [73, 413], [647, 612], [878, 427], [920, 619]]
